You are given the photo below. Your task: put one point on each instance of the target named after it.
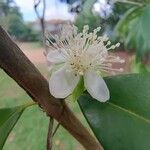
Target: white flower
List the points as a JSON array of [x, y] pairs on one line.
[[82, 54]]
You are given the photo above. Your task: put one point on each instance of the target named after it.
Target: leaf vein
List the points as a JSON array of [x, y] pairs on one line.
[[130, 112]]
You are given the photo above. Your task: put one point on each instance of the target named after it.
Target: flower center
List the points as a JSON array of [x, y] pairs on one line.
[[80, 63]]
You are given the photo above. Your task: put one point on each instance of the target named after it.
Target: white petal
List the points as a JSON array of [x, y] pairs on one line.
[[96, 86], [62, 83], [55, 57]]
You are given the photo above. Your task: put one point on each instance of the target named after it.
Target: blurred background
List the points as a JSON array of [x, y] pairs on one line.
[[124, 21]]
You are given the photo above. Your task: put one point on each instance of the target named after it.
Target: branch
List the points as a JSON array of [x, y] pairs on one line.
[[18, 66], [50, 134], [41, 18]]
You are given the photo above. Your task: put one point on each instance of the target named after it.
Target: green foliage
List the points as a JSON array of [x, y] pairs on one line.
[[16, 26], [109, 23], [4, 7], [8, 119], [86, 17], [133, 29], [122, 123], [11, 19], [139, 67], [18, 29]]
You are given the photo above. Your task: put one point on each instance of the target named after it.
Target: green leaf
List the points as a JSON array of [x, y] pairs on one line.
[[8, 119], [122, 123], [121, 28], [78, 90], [139, 67], [133, 29]]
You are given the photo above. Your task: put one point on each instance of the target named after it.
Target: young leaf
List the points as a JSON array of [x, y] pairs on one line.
[[78, 90], [8, 119], [122, 123]]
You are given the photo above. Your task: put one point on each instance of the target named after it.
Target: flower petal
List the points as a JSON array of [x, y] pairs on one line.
[[55, 57], [62, 83], [96, 86]]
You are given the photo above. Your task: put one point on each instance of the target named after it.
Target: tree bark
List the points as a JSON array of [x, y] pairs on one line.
[[18, 66]]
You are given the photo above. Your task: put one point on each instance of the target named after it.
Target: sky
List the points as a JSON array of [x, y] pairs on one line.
[[103, 8], [55, 10]]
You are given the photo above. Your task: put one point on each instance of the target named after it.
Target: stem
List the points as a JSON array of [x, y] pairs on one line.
[[56, 128], [49, 134], [129, 2]]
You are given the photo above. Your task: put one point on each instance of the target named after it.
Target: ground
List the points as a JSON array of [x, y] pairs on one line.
[[30, 132], [33, 51]]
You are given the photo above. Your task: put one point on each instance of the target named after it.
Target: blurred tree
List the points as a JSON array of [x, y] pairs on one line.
[[5, 6], [11, 19]]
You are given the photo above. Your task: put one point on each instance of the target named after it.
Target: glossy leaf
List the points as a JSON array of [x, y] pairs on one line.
[[8, 119], [122, 123]]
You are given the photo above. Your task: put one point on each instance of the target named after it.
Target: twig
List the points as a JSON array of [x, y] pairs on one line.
[[41, 19], [50, 134], [56, 128]]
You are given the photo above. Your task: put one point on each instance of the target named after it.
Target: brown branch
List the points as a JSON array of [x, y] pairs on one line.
[[42, 16], [41, 19], [18, 66]]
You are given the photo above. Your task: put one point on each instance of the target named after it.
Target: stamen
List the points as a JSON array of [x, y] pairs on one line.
[[112, 69], [108, 43], [118, 44], [77, 49]]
